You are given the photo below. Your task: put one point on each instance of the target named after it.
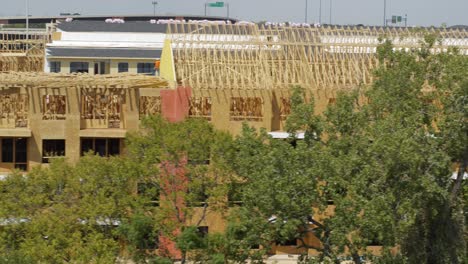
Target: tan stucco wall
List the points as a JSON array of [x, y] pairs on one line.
[[73, 128], [221, 102]]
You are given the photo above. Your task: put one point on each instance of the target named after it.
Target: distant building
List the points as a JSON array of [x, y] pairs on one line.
[[105, 48]]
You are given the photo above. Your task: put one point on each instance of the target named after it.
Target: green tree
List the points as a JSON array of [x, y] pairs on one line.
[[383, 155], [186, 162], [67, 213], [387, 163]]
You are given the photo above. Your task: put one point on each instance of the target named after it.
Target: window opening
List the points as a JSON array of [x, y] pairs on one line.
[[21, 150], [15, 150], [100, 146], [102, 67], [246, 108], [52, 148], [150, 191], [55, 66], [145, 68], [198, 197], [289, 242], [79, 67], [16, 107], [200, 107], [103, 147], [123, 67], [53, 107], [7, 150], [102, 106]]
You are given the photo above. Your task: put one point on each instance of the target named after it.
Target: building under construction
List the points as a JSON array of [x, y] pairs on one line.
[[81, 78], [78, 86]]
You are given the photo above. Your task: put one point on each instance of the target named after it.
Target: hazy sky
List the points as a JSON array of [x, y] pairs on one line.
[[370, 12]]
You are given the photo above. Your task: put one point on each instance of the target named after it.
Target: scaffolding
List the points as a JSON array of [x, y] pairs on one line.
[[22, 52], [271, 57]]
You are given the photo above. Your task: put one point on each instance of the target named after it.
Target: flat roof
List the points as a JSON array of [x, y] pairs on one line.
[[147, 27], [127, 17], [101, 26]]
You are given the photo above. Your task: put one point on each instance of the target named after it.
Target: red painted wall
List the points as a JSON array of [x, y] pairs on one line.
[[175, 103]]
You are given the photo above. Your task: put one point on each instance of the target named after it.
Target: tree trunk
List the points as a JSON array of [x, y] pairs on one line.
[[184, 256]]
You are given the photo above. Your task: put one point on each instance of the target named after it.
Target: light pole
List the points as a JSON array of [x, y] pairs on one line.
[[385, 13], [155, 3], [331, 3], [306, 7], [27, 19], [320, 12]]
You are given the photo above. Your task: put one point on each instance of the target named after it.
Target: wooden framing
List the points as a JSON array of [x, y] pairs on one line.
[[59, 80], [54, 107], [150, 105], [249, 56], [20, 54], [14, 109], [284, 108], [246, 109], [200, 107], [102, 104]]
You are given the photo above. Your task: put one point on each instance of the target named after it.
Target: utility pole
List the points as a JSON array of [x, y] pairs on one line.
[[306, 7], [227, 6], [331, 4], [320, 12], [155, 3]]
